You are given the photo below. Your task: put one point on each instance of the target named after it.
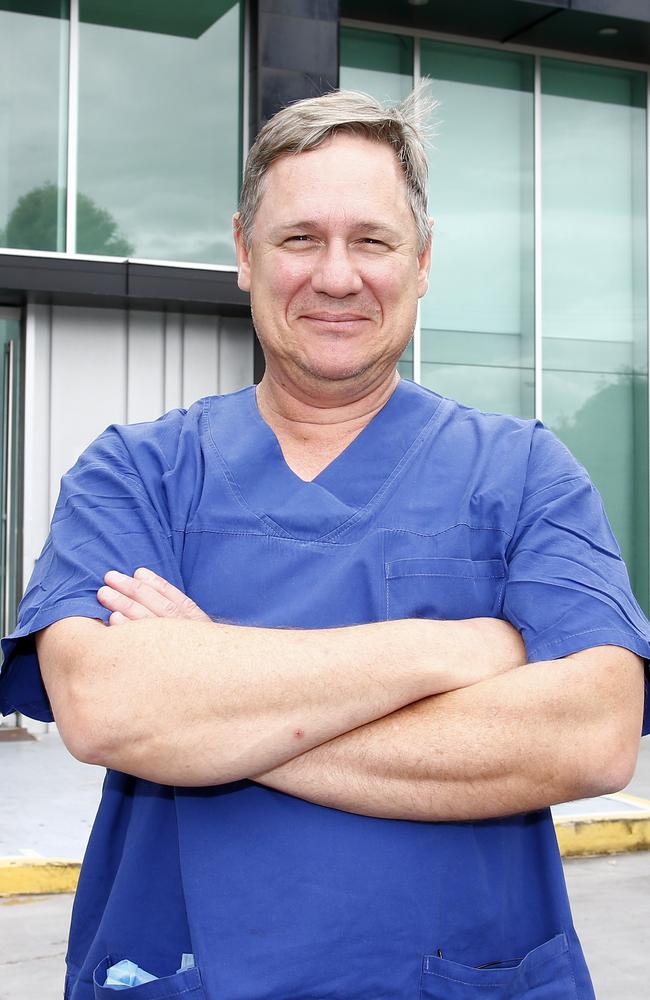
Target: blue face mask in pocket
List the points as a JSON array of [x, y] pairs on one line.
[[126, 975]]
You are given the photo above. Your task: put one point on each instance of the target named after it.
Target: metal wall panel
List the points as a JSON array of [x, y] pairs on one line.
[[145, 366], [87, 368], [88, 381], [200, 357], [235, 367], [173, 361]]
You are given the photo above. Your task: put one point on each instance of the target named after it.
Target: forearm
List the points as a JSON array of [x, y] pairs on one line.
[[516, 742], [250, 699]]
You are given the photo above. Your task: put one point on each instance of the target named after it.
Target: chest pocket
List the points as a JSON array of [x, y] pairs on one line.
[[444, 587]]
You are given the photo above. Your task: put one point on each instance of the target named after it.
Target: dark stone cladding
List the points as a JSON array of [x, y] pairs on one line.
[[294, 53]]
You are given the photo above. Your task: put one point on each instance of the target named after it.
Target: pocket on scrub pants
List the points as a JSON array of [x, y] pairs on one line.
[[545, 974], [187, 983]]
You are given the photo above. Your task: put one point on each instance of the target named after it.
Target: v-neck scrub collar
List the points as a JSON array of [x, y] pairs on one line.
[[344, 490]]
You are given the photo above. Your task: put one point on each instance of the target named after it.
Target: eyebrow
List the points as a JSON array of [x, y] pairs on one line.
[[368, 227]]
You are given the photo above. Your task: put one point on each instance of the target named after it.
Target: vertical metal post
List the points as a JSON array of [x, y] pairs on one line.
[[647, 258], [417, 333], [246, 89], [8, 476], [537, 223], [62, 164], [73, 128], [30, 435]]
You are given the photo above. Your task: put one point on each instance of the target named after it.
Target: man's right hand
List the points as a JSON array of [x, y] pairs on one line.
[[145, 595], [484, 647]]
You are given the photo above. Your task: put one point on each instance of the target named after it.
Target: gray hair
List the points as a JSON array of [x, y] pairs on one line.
[[306, 124]]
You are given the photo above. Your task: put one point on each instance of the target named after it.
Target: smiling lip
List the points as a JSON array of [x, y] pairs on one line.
[[324, 317]]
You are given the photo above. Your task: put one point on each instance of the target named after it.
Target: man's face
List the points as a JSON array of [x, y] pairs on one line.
[[333, 268]]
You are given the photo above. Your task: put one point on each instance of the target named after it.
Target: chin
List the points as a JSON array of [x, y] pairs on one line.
[[336, 372], [341, 365]]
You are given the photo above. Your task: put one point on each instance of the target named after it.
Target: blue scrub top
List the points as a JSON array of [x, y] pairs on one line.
[[434, 510]]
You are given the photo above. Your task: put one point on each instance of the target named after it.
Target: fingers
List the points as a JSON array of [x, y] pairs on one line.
[[120, 604], [146, 595], [178, 604]]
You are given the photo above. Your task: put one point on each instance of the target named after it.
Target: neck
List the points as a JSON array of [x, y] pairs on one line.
[[321, 415]]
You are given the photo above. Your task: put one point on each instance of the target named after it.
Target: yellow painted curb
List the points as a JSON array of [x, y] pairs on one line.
[[613, 831], [36, 876], [602, 836]]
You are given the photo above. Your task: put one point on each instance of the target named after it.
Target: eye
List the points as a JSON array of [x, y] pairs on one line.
[[372, 244], [299, 238]]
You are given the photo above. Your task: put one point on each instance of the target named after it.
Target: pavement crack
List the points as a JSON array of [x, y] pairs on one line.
[[31, 958]]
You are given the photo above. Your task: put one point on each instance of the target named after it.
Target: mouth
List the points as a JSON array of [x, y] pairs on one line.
[[334, 321]]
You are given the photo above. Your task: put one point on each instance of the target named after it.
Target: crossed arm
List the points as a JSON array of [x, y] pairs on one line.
[[414, 719]]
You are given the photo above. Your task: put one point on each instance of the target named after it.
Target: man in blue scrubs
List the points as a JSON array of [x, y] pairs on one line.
[[359, 636]]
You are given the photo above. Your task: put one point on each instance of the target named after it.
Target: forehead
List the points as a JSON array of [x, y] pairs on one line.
[[346, 175]]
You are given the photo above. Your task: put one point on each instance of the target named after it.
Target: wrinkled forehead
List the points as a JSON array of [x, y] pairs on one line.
[[346, 175]]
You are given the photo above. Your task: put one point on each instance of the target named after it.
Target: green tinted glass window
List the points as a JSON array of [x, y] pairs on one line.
[[33, 130], [376, 63], [159, 129], [594, 286], [478, 316], [380, 64]]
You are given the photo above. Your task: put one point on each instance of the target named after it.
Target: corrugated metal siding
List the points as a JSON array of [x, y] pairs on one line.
[[87, 368]]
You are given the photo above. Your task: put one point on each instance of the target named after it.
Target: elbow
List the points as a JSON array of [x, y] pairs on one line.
[[81, 731], [86, 725], [620, 765], [71, 667], [609, 766], [78, 744], [608, 754], [617, 739], [88, 743]]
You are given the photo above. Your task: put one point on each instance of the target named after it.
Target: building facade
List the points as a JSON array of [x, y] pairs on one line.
[[123, 129]]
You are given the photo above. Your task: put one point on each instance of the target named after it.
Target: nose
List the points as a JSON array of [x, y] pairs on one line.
[[336, 274]]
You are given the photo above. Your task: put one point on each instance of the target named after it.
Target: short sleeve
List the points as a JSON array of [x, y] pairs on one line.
[[106, 517], [568, 588]]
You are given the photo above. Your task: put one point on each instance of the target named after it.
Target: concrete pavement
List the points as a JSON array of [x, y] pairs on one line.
[[48, 800], [33, 936], [610, 898]]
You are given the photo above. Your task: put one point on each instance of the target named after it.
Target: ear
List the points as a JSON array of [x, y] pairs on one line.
[[424, 265], [243, 255]]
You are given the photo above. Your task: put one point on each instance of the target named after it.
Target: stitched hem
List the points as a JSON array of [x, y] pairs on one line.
[[574, 643]]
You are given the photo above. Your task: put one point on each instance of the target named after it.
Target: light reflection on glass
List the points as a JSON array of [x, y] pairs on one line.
[[33, 132], [159, 133], [478, 317], [594, 287]]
